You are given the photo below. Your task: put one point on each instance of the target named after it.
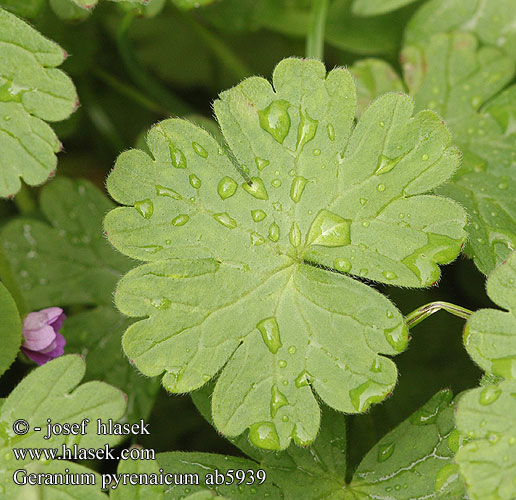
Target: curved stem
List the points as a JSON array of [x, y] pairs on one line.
[[423, 312], [315, 36], [141, 76]]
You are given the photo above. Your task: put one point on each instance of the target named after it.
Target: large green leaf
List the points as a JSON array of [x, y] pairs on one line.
[[452, 76], [246, 267], [25, 8], [50, 392], [10, 329], [490, 335], [67, 260], [486, 418], [375, 7], [493, 21], [32, 91]]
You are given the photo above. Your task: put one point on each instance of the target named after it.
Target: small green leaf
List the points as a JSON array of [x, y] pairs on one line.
[[486, 419], [490, 335], [415, 460], [375, 7], [342, 197], [51, 392], [67, 260], [32, 91], [493, 21], [10, 329]]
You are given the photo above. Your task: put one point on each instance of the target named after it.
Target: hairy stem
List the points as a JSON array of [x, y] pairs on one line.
[[315, 36], [141, 76], [423, 312]]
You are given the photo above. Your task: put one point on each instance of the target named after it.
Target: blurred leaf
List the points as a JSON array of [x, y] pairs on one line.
[[373, 78], [191, 4], [493, 21], [67, 260], [486, 419], [23, 8], [10, 329], [31, 90]]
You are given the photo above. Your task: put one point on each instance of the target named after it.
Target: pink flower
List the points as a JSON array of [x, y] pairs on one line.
[[43, 341]]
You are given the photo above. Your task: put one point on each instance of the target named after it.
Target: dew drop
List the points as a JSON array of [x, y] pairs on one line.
[[386, 164], [330, 230], [277, 206], [195, 182], [226, 220], [306, 129], [227, 187], [331, 132], [342, 265], [295, 235], [397, 337], [285, 418], [382, 124], [366, 223], [275, 119], [264, 435], [282, 363], [256, 188], [317, 152], [180, 220], [363, 201], [385, 451], [363, 396], [278, 400], [261, 163], [489, 395], [164, 191], [300, 436], [380, 187], [276, 183], [257, 239], [145, 207], [389, 314], [177, 157], [297, 188], [389, 275], [274, 232], [269, 329], [258, 215], [425, 157], [199, 150], [303, 379], [502, 185], [161, 303], [292, 349], [504, 367], [292, 172], [376, 366]]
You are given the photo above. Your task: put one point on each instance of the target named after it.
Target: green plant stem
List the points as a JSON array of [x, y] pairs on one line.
[[141, 76], [218, 48], [423, 312], [24, 201], [129, 91], [315, 36]]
